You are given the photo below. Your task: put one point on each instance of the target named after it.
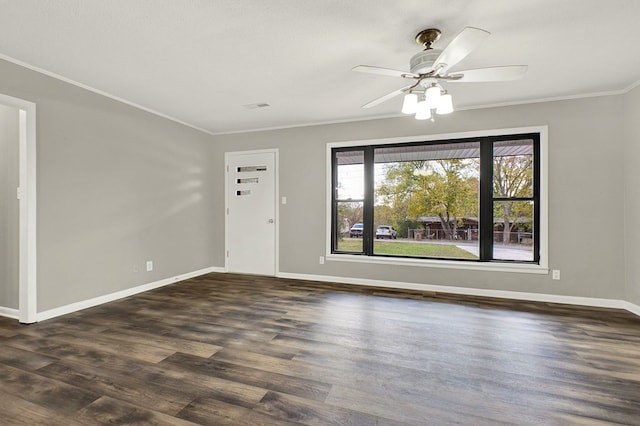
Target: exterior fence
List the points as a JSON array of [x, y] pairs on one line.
[[515, 237]]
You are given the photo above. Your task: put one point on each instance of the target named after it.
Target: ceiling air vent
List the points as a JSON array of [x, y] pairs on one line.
[[257, 105]]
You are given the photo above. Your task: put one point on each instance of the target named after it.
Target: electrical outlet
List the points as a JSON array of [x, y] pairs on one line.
[[555, 274], [322, 260], [149, 265]]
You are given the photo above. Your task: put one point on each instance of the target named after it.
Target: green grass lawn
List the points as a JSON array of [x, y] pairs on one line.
[[402, 248]]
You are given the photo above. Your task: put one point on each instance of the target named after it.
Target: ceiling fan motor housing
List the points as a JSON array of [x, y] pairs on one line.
[[422, 62]]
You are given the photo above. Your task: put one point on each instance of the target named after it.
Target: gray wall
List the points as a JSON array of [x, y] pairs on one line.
[[116, 187], [8, 207], [632, 195], [585, 195]]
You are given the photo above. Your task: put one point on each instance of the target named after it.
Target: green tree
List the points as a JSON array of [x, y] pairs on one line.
[[447, 189], [512, 178], [384, 215]]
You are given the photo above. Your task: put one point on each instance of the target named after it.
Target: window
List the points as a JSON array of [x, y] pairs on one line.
[[470, 199]]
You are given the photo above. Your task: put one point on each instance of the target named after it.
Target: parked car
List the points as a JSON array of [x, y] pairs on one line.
[[356, 230], [386, 231]]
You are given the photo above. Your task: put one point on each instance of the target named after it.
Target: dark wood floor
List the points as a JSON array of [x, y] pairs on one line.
[[229, 349]]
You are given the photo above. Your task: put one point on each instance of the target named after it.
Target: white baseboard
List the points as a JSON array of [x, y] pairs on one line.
[[503, 294], [468, 291], [632, 308], [77, 306], [9, 312]]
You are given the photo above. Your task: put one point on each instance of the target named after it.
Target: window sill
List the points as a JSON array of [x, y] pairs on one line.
[[524, 268]]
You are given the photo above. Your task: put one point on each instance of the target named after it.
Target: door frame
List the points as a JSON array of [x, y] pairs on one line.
[[276, 195], [27, 269]]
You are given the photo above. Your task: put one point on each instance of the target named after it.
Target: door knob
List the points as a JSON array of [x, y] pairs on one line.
[[270, 220]]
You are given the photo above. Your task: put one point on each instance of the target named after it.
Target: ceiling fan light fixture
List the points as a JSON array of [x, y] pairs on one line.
[[410, 103], [423, 111], [432, 96], [445, 104]]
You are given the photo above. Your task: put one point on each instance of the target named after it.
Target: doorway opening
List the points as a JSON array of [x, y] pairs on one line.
[[26, 194]]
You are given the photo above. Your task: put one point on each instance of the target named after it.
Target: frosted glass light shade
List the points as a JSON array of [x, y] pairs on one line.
[[432, 96], [445, 104], [423, 112], [410, 104]]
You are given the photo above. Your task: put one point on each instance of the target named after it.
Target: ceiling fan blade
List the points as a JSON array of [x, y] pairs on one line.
[[382, 71], [466, 40], [386, 97], [504, 73]]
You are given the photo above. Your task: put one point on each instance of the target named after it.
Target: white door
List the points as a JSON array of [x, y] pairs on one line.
[[251, 212]]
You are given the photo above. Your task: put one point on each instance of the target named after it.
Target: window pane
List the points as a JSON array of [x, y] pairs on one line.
[[350, 174], [513, 230], [349, 227], [426, 200], [513, 169]]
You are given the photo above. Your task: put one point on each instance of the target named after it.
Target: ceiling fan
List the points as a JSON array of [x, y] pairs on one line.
[[430, 67]]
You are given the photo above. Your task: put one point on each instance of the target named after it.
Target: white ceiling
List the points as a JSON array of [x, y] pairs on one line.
[[200, 61]]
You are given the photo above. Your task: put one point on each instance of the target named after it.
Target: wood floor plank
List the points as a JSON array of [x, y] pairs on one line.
[[24, 359], [109, 411], [423, 412], [18, 411], [215, 412], [262, 378], [291, 408], [175, 377], [51, 349], [8, 332], [121, 387], [48, 393], [128, 348], [236, 349], [173, 344]]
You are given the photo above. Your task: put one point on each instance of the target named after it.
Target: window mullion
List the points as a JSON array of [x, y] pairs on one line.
[[334, 201], [536, 196], [486, 201], [367, 217]]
